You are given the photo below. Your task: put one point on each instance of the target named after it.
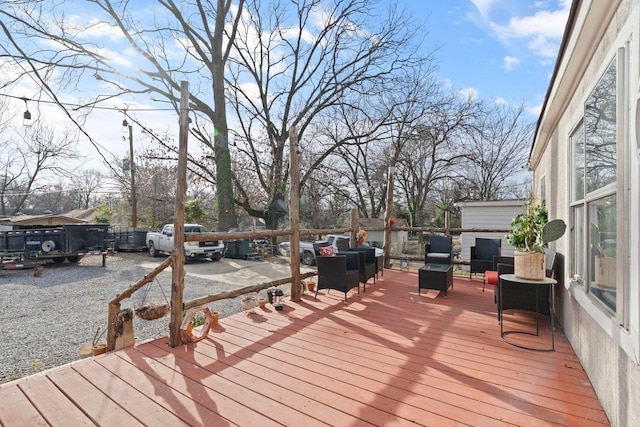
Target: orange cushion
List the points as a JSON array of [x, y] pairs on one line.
[[491, 277]]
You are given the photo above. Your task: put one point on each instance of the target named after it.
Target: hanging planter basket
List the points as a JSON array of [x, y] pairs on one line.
[[529, 265], [153, 311]]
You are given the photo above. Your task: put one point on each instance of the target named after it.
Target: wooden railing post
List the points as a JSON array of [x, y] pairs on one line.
[[177, 280], [294, 215], [114, 309], [353, 239], [387, 216]]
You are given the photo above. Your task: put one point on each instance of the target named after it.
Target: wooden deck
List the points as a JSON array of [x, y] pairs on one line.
[[386, 357]]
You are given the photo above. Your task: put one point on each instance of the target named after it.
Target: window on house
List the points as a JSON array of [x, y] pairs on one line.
[[593, 192]]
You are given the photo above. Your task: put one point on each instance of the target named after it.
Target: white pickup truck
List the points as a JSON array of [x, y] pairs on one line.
[[163, 242]]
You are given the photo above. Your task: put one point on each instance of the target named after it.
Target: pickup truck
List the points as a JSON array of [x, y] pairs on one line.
[[307, 253], [163, 242]]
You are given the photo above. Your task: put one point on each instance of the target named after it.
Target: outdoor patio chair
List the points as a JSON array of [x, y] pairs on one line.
[[340, 272], [368, 264], [342, 244], [482, 254], [439, 250]]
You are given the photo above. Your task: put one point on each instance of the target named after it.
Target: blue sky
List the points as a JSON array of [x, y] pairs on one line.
[[501, 49]]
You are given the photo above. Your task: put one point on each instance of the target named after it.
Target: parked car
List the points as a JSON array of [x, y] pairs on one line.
[[307, 255]]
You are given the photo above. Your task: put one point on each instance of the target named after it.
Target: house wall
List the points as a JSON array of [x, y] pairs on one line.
[[606, 344], [487, 215]]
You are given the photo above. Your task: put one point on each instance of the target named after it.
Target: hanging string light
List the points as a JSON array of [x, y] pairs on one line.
[[125, 123], [26, 117]]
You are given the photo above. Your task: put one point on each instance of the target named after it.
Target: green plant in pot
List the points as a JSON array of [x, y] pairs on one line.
[[531, 232]]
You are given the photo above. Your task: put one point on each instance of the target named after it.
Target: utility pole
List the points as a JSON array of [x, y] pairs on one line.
[[132, 167]]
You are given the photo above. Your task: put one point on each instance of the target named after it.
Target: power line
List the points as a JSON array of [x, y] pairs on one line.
[[79, 106]]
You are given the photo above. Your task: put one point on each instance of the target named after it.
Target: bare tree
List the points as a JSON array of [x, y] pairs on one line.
[[176, 40], [289, 73], [31, 164], [433, 149], [497, 149], [85, 187]]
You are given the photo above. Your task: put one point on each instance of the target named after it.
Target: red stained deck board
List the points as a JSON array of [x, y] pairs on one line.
[[127, 396], [54, 406], [384, 394], [311, 397], [17, 410], [385, 354], [386, 357], [440, 392], [357, 399], [244, 388], [182, 396], [98, 406]]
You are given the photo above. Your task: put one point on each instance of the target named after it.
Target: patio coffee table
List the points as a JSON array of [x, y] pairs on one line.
[[435, 276]]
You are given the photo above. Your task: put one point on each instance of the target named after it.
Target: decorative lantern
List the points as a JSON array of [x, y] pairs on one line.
[[278, 296]]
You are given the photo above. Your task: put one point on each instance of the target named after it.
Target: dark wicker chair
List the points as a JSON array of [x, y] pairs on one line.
[[482, 254], [342, 244], [340, 272], [379, 265], [439, 250], [368, 264]]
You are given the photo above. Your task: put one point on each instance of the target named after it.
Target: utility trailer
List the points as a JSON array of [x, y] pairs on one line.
[[36, 245], [128, 239]]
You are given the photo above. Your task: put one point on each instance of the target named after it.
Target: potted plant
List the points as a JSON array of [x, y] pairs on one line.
[[530, 234], [311, 285]]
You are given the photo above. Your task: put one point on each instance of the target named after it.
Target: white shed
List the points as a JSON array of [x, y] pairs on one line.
[[496, 214]]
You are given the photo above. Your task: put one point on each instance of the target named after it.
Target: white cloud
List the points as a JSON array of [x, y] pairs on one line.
[[447, 83], [510, 62], [535, 110], [469, 93], [483, 6], [101, 30], [500, 101], [542, 31]]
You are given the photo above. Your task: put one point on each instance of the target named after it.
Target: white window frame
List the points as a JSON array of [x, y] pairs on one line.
[[624, 326]]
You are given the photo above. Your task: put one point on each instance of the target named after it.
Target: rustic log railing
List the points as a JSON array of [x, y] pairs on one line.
[[114, 305]]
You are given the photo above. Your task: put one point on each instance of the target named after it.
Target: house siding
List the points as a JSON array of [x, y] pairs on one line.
[[608, 352], [487, 215]]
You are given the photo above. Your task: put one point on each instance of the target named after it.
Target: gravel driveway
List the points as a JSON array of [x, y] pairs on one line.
[[46, 320]]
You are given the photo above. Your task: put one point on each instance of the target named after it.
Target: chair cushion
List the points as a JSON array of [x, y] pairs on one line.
[[437, 255], [491, 277], [327, 251]]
